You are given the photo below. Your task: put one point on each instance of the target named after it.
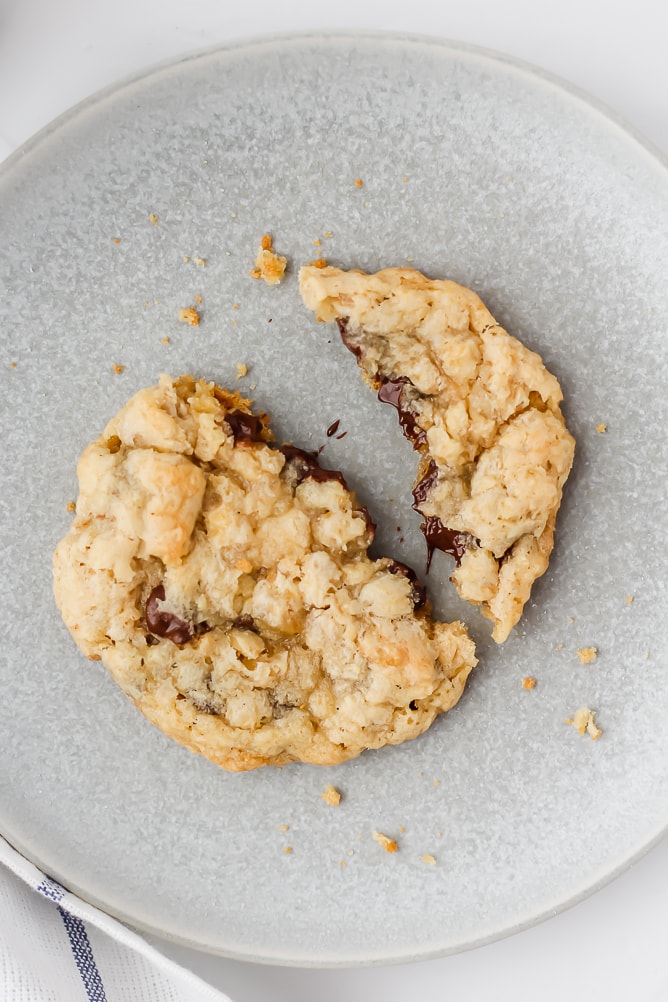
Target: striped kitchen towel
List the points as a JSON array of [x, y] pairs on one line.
[[54, 947]]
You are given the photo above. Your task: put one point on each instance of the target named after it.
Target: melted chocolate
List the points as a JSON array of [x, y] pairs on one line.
[[423, 486], [245, 427], [391, 392], [306, 466], [163, 623], [440, 537], [342, 324], [333, 428], [418, 590]]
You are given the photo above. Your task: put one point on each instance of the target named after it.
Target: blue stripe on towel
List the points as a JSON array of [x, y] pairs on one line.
[[83, 956]]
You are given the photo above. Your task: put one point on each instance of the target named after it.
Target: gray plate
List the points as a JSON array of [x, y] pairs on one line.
[[475, 168]]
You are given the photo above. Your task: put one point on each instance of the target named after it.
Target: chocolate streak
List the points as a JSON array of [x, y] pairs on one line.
[[163, 623], [391, 392], [342, 324], [437, 535]]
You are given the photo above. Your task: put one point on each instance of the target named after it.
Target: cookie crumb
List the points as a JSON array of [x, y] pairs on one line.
[[559, 646], [186, 258], [429, 859], [331, 796], [359, 183], [242, 370], [235, 306], [116, 240], [283, 828], [165, 340], [317, 242], [321, 262], [268, 265], [629, 599], [584, 722], [154, 219], [437, 782], [601, 428], [71, 506], [12, 365], [404, 179], [328, 234], [201, 261], [587, 655], [401, 829], [189, 315], [198, 299], [645, 655], [342, 863], [118, 369], [388, 844], [287, 850], [528, 683]]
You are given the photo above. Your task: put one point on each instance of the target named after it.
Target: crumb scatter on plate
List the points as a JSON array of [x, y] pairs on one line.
[[189, 315], [387, 843], [584, 722], [269, 265], [331, 796]]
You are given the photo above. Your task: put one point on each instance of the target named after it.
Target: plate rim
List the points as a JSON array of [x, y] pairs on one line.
[[281, 40]]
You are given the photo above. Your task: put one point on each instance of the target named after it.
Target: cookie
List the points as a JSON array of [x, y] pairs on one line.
[[479, 407], [225, 584]]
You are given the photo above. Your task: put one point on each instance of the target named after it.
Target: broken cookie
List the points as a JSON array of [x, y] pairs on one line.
[[225, 584], [480, 408]]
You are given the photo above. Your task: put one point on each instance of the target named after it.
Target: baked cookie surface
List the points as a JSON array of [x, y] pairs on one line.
[[225, 584], [480, 408]]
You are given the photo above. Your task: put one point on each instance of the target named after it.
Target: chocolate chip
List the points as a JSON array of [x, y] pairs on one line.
[[245, 427], [412, 705], [333, 428], [163, 623]]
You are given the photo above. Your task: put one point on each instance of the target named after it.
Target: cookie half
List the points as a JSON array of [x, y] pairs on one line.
[[225, 584], [480, 408]]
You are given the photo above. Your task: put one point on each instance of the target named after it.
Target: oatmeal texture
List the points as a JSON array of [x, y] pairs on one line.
[[482, 411], [225, 584]]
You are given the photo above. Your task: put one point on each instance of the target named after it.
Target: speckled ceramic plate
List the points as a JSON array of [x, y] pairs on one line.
[[473, 167]]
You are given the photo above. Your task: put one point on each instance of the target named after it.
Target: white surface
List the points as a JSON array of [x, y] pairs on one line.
[[54, 54], [54, 946]]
